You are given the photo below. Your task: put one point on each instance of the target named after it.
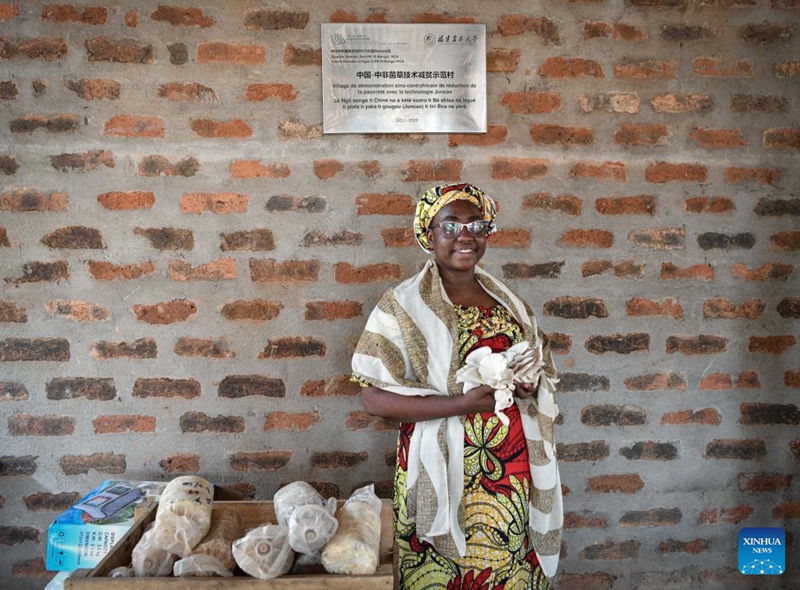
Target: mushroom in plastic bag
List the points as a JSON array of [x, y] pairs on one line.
[[184, 514], [148, 559], [264, 552], [213, 556], [355, 548], [308, 516]]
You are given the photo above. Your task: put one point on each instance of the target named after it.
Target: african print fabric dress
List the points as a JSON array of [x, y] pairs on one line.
[[497, 481]]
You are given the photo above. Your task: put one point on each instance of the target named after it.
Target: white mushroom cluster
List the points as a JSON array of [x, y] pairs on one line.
[[521, 363]]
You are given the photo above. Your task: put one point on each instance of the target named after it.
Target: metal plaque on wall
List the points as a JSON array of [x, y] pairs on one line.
[[403, 78]]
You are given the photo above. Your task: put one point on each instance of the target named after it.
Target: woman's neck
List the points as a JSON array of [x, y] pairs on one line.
[[463, 289]]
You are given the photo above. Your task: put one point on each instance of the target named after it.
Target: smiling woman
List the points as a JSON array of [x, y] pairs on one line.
[[477, 501]]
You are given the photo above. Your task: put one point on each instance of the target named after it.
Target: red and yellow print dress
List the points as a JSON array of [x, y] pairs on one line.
[[497, 478]]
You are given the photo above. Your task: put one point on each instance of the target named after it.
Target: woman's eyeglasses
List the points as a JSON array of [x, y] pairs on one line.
[[477, 229]]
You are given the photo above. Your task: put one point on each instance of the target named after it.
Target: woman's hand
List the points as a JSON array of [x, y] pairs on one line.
[[479, 399], [524, 390]]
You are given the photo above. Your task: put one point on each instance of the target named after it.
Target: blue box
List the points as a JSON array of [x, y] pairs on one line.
[[80, 537]]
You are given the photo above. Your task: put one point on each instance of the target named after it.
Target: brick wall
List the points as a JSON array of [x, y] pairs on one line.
[[187, 262]]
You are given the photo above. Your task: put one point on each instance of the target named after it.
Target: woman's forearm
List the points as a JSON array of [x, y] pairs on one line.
[[414, 408]]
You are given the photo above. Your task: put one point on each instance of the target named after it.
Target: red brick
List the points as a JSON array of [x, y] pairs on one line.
[[274, 20], [198, 422], [610, 551], [629, 483], [560, 343], [706, 416], [95, 88], [511, 238], [568, 204], [448, 170], [716, 381], [76, 237], [640, 134], [657, 381], [10, 313], [119, 424], [695, 102], [494, 135], [142, 348], [588, 581], [702, 344], [792, 379], [724, 308], [691, 547], [616, 31], [301, 56], [764, 482], [266, 461], [257, 240], [717, 138], [290, 270], [187, 92], [134, 126], [587, 238], [549, 134], [277, 92], [167, 238], [316, 238], [364, 421], [748, 380], [78, 311], [786, 240], [786, 511], [662, 172], [758, 104], [132, 19], [623, 269], [108, 271], [233, 128], [585, 451], [160, 166], [787, 138], [763, 176], [653, 517], [182, 17], [327, 169], [566, 67], [64, 13], [385, 204], [338, 385], [340, 16], [638, 307], [167, 312], [9, 165], [37, 272], [338, 459], [16, 535], [66, 123], [256, 310], [704, 272], [771, 344], [609, 415], [219, 203], [38, 48], [223, 269], [575, 307], [714, 205], [19, 200], [191, 347], [518, 168], [294, 129], [332, 310], [181, 463], [220, 53], [787, 69], [401, 237], [614, 171], [126, 201], [638, 205], [733, 515], [347, 273], [612, 102], [502, 60], [740, 449], [239, 386], [521, 103], [286, 421], [48, 501], [50, 425], [716, 67], [518, 24], [255, 169], [769, 271], [645, 70], [650, 451], [166, 388], [91, 160], [8, 11], [575, 520]]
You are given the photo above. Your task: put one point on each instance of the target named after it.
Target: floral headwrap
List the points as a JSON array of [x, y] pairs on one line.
[[434, 199]]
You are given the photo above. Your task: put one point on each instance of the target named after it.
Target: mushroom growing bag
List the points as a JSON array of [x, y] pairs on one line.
[[184, 514], [355, 548], [148, 559], [213, 556], [264, 552]]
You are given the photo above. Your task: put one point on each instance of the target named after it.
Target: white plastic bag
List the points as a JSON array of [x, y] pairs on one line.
[[355, 548], [184, 514], [298, 493], [148, 559], [200, 565], [264, 552], [213, 555], [310, 528]]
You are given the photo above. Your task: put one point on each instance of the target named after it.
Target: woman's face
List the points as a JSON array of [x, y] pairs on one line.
[[464, 251]]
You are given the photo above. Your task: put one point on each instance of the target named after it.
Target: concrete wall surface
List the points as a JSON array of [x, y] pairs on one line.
[[187, 260]]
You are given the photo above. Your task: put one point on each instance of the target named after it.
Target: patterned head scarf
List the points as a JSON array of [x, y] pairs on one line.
[[433, 200]]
